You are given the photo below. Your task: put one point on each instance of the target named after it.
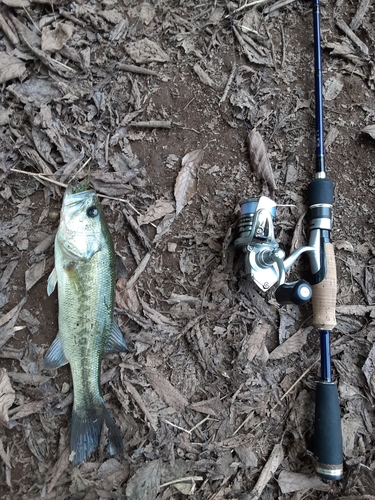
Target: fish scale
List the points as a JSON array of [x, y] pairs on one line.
[[85, 274]]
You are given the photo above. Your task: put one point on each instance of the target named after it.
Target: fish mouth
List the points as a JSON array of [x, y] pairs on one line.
[[72, 198]]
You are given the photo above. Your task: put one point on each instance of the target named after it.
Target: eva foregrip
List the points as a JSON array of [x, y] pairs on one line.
[[324, 294], [327, 433]]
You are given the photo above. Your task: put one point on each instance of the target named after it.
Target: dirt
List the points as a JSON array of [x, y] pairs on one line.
[[215, 400]]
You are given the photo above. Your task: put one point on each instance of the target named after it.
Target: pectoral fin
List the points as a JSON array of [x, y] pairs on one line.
[[116, 342], [55, 356], [52, 282]]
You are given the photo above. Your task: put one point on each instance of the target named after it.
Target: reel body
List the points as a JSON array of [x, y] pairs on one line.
[[265, 261]]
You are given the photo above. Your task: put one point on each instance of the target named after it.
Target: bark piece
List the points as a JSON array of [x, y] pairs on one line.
[[259, 160], [273, 462], [7, 396]]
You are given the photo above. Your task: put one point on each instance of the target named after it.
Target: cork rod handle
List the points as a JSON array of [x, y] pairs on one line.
[[324, 294]]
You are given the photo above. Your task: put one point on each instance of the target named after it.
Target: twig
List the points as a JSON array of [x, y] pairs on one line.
[[40, 177], [80, 169], [139, 270], [244, 422], [176, 426], [229, 83], [193, 428], [360, 14], [295, 383], [152, 124], [31, 19], [136, 69], [353, 37], [137, 398], [182, 480], [138, 231], [52, 181], [11, 35], [278, 5], [251, 4]]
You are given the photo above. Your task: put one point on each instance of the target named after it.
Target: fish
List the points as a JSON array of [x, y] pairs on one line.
[[84, 273]]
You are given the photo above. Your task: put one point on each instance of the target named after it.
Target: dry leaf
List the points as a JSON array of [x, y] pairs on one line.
[[186, 182], [8, 321], [350, 426], [293, 344], [10, 67], [145, 483], [344, 245], [166, 390], [127, 298], [145, 12], [259, 160], [203, 77], [155, 212], [332, 87], [145, 51], [34, 274], [17, 3], [5, 115], [7, 396], [294, 481], [369, 371], [55, 39], [370, 130]]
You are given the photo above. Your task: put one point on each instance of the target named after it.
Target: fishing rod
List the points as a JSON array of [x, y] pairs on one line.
[[327, 433], [265, 262]]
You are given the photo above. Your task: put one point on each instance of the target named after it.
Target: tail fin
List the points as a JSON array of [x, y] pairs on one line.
[[86, 428]]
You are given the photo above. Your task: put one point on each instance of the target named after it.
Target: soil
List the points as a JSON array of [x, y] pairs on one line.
[[215, 399]]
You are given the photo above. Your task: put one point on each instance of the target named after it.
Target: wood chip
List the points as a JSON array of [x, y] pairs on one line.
[[166, 390], [273, 463]]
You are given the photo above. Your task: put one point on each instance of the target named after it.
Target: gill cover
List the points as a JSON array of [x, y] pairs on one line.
[[80, 224]]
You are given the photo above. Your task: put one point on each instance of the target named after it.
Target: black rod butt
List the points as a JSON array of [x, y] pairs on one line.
[[327, 434]]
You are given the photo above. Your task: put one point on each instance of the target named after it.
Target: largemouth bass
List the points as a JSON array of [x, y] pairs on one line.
[[85, 274]]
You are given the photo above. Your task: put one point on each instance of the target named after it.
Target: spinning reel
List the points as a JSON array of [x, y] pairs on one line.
[[265, 261]]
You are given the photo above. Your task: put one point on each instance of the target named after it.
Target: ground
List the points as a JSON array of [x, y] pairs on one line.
[[215, 399]]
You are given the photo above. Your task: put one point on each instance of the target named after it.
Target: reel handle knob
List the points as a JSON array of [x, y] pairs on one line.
[[297, 292]]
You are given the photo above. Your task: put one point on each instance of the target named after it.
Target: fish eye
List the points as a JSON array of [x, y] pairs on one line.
[[92, 211]]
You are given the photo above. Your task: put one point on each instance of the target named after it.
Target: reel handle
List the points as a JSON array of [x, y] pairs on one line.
[[297, 292]]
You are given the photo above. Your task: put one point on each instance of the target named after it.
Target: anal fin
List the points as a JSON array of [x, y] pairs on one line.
[[55, 356], [115, 342]]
